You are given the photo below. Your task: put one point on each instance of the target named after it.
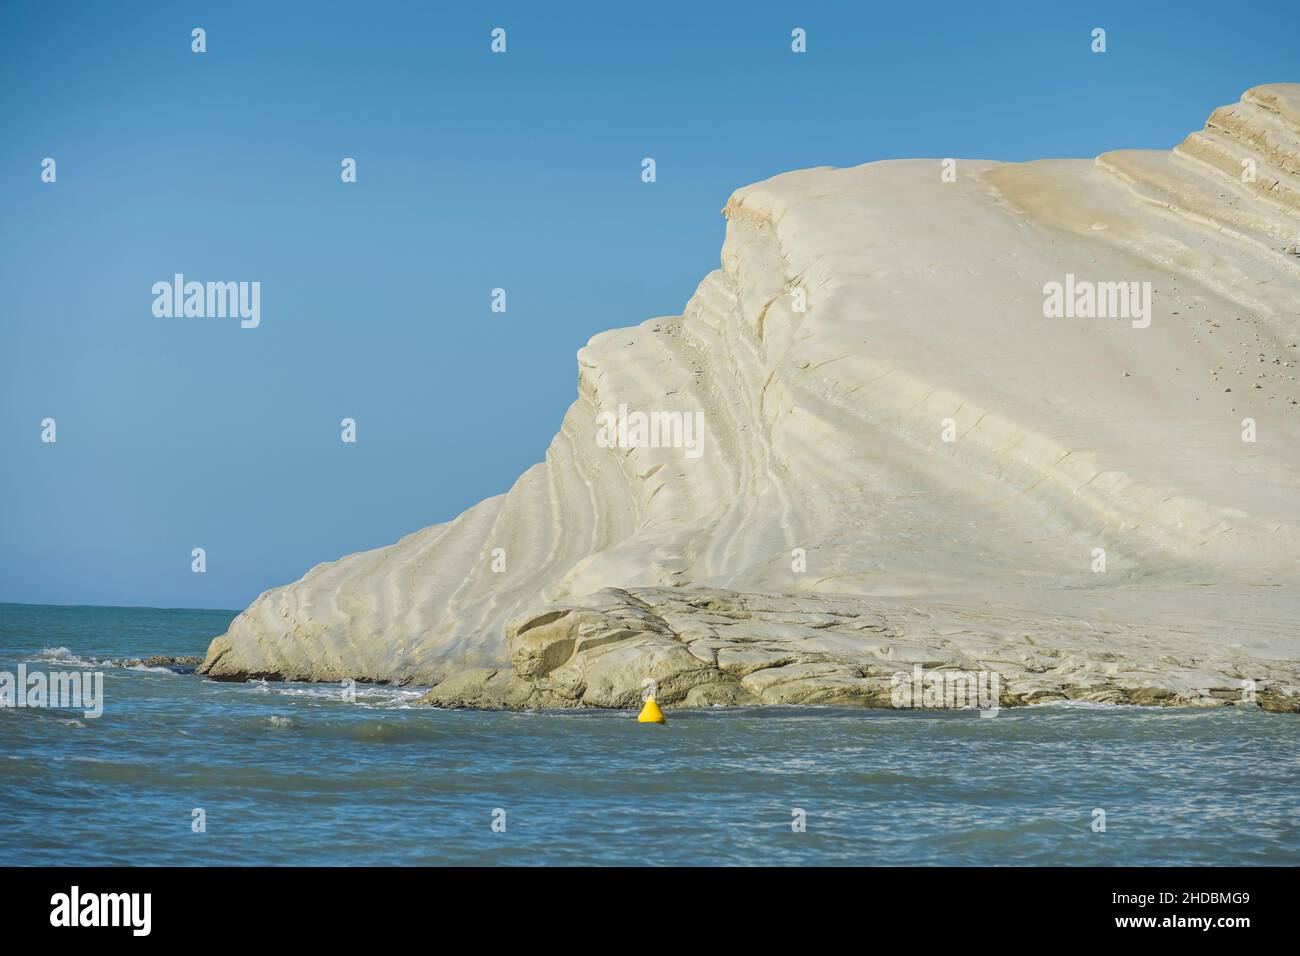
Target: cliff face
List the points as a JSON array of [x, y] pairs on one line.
[[925, 405]]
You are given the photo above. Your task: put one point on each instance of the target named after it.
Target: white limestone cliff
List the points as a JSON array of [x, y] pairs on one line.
[[824, 430]]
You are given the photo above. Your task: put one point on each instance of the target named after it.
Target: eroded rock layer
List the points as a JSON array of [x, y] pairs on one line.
[[904, 459]]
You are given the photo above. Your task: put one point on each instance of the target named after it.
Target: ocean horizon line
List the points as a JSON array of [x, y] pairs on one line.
[[123, 607]]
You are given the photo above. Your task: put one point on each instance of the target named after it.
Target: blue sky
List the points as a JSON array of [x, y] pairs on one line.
[[475, 171]]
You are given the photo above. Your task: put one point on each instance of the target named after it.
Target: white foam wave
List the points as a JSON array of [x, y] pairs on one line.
[[63, 655], [369, 696]]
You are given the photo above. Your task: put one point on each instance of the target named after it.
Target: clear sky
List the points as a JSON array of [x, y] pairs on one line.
[[474, 171]]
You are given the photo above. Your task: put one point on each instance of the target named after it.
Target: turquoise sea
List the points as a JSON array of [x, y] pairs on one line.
[[296, 774]]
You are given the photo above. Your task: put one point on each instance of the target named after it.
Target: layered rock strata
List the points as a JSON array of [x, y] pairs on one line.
[[907, 456]]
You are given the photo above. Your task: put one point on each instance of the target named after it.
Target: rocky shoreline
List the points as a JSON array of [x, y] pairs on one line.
[[182, 664], [713, 647]]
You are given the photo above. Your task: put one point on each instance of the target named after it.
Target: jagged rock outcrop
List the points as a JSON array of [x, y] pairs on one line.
[[705, 646], [903, 457]]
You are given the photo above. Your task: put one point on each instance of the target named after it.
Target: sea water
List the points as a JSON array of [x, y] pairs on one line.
[[183, 770]]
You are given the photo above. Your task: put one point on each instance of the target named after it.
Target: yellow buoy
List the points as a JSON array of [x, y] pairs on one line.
[[650, 713]]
